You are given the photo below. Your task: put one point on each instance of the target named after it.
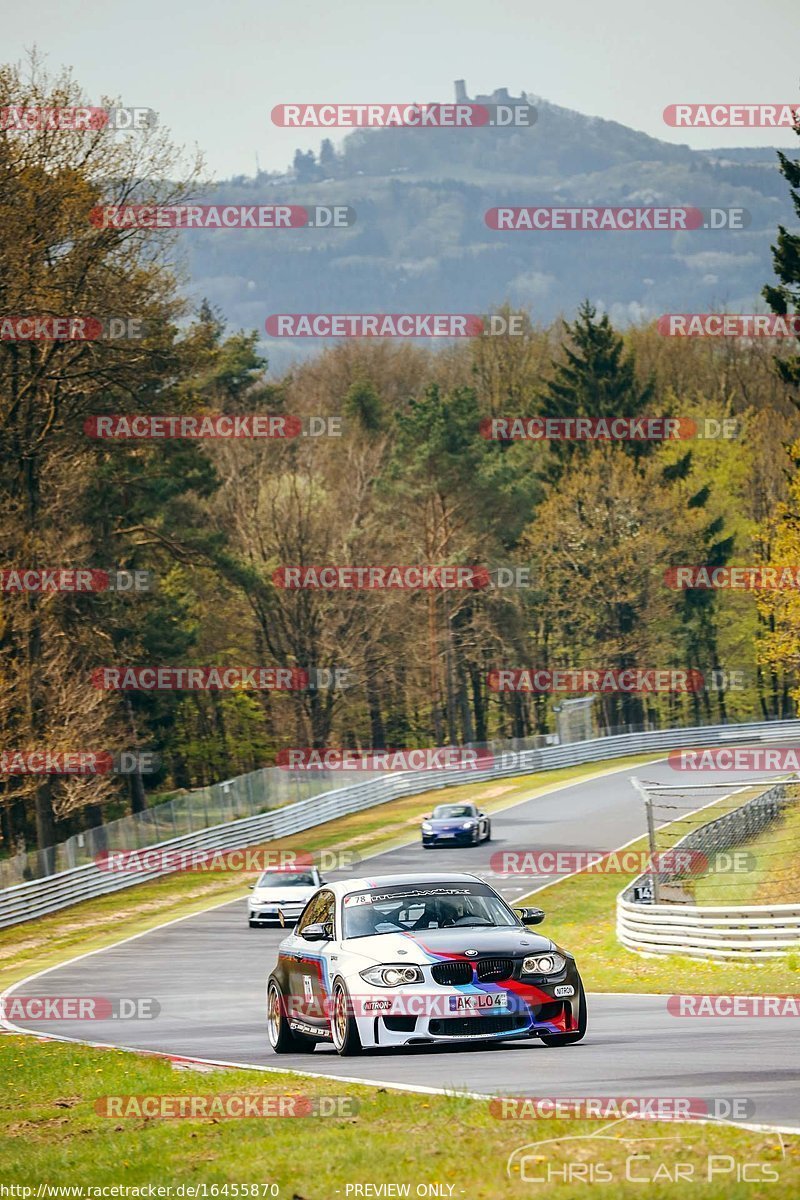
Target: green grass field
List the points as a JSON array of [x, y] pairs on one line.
[[51, 1133], [775, 877]]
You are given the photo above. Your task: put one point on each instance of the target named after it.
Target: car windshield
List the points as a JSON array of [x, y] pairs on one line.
[[288, 879], [416, 909], [443, 812]]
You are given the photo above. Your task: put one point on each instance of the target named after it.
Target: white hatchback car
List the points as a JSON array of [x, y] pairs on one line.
[[281, 892]]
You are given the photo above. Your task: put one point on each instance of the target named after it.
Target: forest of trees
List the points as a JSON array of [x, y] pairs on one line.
[[410, 480]]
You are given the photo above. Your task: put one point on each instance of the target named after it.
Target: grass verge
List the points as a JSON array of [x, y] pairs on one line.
[[51, 1133], [774, 877]]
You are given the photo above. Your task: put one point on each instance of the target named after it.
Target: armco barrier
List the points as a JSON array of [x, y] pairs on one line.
[[723, 933], [25, 901], [719, 932]]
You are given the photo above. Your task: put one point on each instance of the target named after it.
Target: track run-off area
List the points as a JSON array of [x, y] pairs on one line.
[[208, 971]]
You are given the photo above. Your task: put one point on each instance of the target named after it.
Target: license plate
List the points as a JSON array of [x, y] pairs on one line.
[[444, 835], [479, 1003], [564, 989]]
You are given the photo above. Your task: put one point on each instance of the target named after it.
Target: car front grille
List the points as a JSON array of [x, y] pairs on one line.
[[452, 973], [489, 969], [477, 1026]]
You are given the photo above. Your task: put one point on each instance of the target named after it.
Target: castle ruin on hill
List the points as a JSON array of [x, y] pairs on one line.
[[498, 96]]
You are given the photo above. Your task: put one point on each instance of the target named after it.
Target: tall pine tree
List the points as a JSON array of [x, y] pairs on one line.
[[784, 298], [596, 379]]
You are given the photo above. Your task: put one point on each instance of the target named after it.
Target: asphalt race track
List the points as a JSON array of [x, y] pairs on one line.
[[207, 973]]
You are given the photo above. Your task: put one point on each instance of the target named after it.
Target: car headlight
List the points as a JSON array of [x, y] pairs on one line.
[[543, 964], [468, 825], [427, 827], [392, 976]]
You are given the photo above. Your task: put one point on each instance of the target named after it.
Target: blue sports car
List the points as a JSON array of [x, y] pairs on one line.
[[456, 825]]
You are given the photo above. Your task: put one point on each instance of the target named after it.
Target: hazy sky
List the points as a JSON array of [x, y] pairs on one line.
[[213, 69]]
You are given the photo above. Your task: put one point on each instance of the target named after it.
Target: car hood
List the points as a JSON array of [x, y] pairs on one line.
[[293, 895], [450, 822], [431, 945]]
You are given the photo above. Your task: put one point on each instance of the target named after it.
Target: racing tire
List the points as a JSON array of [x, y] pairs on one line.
[[344, 1030], [282, 1038], [569, 1039]]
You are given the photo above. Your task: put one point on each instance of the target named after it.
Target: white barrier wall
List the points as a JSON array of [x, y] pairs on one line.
[[724, 933]]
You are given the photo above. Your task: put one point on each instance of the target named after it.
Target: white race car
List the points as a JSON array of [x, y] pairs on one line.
[[279, 892], [401, 960]]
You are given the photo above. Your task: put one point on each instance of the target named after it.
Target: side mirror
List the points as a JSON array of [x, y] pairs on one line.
[[315, 933], [530, 916], [427, 816], [322, 881], [251, 886]]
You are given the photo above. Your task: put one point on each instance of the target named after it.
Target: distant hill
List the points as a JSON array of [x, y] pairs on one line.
[[420, 243]]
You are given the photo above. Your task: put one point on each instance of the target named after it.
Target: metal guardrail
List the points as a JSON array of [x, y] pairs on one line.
[[719, 932], [25, 901], [723, 933]]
